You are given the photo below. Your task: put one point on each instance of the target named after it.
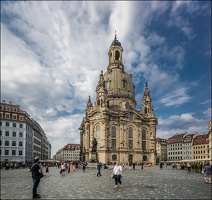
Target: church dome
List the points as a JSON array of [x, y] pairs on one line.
[[120, 82], [116, 42]]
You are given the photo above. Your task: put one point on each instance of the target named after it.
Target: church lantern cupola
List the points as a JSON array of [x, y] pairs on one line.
[[115, 54]]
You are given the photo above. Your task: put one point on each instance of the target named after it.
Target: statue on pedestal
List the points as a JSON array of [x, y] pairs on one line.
[[94, 143]]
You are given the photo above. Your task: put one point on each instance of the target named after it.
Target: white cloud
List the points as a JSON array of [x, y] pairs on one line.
[[53, 52], [155, 40], [176, 97], [208, 113], [62, 130], [186, 122]]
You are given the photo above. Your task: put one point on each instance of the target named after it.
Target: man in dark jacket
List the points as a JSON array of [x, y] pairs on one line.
[[36, 174]]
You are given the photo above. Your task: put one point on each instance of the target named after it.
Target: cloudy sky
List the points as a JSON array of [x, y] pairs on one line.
[[53, 52]]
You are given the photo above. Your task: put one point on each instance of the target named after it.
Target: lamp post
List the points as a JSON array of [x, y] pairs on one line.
[[83, 154], [80, 155], [108, 144]]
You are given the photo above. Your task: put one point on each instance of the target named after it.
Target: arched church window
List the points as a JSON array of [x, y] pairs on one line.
[[113, 131], [98, 102], [113, 135], [117, 55], [130, 132], [144, 158], [127, 105], [97, 131], [114, 157], [130, 144], [101, 102], [143, 134], [143, 145], [124, 83], [130, 136], [108, 84], [143, 139], [113, 143]]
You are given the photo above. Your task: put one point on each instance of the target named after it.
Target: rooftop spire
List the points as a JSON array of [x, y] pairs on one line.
[[89, 104], [115, 35]]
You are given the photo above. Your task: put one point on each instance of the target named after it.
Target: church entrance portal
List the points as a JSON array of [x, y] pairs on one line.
[[130, 159]]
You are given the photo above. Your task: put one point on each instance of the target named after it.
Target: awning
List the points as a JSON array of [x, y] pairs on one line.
[[17, 161], [196, 160], [49, 161]]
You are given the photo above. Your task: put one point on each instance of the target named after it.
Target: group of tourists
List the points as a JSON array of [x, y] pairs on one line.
[[11, 165], [117, 172], [68, 166]]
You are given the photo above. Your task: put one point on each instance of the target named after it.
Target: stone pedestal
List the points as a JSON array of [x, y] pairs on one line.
[[93, 158], [91, 165]]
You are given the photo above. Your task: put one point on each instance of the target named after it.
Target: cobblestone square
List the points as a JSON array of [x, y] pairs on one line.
[[149, 183]]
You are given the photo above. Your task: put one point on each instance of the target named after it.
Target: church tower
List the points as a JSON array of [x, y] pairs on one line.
[[123, 133]]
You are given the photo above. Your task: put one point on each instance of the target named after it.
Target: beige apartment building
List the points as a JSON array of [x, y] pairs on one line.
[[69, 153], [200, 147], [161, 150], [123, 133]]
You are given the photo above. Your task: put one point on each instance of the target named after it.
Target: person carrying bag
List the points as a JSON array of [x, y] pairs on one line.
[[117, 172], [36, 176]]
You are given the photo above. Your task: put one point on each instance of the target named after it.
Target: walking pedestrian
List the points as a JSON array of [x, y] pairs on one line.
[[99, 165], [129, 165], [11, 166], [133, 166], [47, 169], [62, 171], [189, 167], [69, 168], [161, 165], [83, 167], [142, 165], [117, 171], [173, 165], [207, 173], [36, 173]]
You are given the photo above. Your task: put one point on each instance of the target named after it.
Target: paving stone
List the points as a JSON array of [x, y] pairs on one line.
[[149, 183]]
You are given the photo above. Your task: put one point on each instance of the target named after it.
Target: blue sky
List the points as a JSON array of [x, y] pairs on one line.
[[53, 52]]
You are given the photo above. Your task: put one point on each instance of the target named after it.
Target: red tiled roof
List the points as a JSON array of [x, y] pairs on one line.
[[71, 146], [200, 139]]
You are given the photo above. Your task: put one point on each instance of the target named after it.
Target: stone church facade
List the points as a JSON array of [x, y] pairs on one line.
[[123, 133]]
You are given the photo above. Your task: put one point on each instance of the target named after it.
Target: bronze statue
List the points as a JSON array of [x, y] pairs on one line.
[[94, 147]]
